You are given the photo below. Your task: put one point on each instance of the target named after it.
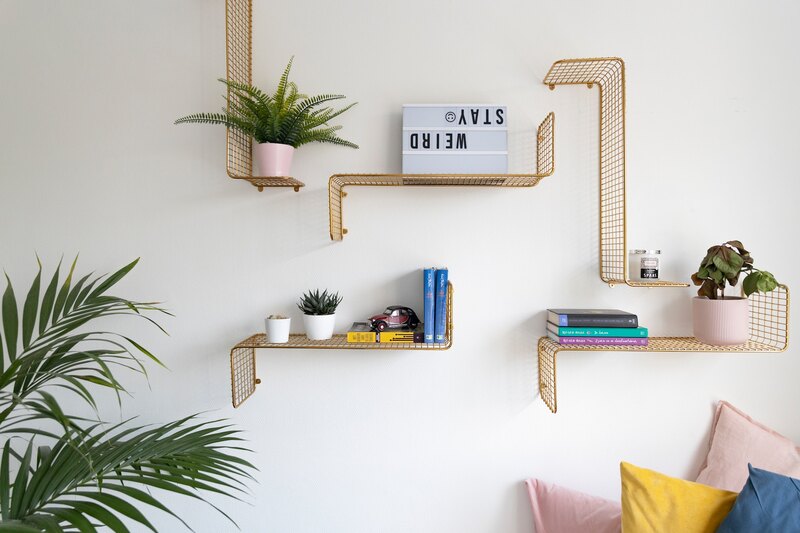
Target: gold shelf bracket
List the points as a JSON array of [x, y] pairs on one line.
[[243, 355], [239, 67], [608, 73], [545, 166], [769, 333]]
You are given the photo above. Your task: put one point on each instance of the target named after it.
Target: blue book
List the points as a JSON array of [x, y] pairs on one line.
[[440, 312], [592, 318], [427, 300]]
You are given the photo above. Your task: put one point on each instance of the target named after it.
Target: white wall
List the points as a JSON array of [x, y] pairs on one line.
[[391, 441]]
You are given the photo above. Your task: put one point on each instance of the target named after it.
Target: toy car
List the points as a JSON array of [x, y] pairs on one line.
[[395, 316]]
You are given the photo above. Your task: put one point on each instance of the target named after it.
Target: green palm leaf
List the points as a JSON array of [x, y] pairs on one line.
[[93, 476]]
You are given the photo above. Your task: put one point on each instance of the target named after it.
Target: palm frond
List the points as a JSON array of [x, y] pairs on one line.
[[99, 473], [92, 476], [51, 356]]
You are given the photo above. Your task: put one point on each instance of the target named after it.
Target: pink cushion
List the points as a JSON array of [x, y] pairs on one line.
[[560, 510], [737, 439]]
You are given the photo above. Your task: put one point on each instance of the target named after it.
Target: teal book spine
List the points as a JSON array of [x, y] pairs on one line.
[[440, 312], [561, 331]]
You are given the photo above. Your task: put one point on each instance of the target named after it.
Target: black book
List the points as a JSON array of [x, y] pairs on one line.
[[601, 318]]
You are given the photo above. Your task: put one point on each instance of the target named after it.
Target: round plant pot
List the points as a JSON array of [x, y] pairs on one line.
[[278, 329], [319, 327], [273, 159], [721, 322]]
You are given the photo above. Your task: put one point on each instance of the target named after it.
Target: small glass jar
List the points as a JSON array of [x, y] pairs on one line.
[[644, 265]]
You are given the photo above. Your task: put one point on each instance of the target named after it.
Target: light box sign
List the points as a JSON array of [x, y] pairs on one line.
[[455, 139]]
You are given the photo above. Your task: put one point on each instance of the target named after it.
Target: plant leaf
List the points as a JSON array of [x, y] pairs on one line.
[[30, 308], [113, 279], [61, 299], [48, 300], [10, 320], [750, 283]]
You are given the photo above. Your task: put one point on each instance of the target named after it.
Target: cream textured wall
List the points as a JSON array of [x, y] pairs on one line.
[[393, 441]]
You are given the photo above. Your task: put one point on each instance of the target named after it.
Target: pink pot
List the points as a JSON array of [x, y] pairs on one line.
[[721, 322], [273, 159]]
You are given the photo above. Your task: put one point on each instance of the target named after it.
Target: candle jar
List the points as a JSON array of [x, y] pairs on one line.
[[644, 265]]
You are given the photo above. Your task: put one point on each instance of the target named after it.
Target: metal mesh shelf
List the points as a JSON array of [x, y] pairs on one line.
[[545, 165], [243, 355], [769, 333], [239, 62], [608, 73]]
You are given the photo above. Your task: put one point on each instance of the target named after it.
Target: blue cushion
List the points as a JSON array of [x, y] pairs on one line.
[[768, 503]]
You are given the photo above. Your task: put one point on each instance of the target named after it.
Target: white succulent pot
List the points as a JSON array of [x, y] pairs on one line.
[[278, 329], [722, 322], [319, 327], [273, 159]]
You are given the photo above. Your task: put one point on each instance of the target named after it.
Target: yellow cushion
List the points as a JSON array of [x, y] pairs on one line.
[[655, 503]]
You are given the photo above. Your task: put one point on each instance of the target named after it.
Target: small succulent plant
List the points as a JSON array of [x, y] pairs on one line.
[[277, 317], [319, 303], [723, 264]]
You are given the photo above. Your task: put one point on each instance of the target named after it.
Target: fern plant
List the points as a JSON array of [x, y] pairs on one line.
[[284, 117], [64, 472], [316, 303]]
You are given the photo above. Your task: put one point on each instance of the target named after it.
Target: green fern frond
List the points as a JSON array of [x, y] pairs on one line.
[[280, 92], [326, 135]]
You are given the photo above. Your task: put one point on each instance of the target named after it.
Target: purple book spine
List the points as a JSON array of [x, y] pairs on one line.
[[604, 341]]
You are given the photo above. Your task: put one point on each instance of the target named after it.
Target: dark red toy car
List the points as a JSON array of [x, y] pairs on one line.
[[395, 316]]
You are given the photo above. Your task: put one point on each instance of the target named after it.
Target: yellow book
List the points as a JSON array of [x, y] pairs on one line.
[[401, 335], [360, 332]]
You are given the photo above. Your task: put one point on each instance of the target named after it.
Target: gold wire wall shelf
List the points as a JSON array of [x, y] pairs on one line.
[[769, 333], [243, 355], [239, 64], [545, 165], [608, 73]]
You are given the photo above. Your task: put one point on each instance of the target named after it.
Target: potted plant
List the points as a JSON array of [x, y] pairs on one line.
[[319, 313], [278, 328], [278, 122], [63, 469], [724, 320]]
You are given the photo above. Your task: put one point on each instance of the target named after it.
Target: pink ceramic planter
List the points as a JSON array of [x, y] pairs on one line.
[[721, 322], [273, 159]]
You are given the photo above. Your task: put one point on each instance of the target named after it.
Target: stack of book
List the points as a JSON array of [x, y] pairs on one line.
[[595, 327], [433, 326], [434, 300]]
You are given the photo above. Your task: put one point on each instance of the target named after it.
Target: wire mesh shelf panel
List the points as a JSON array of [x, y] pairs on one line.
[[769, 333], [239, 61], [243, 360], [608, 74], [243, 374], [545, 165], [337, 342]]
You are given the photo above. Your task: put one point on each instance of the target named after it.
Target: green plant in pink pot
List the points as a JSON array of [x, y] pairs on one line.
[[725, 320], [277, 122]]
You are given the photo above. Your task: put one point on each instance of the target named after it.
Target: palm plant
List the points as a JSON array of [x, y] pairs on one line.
[[284, 117], [63, 472]]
